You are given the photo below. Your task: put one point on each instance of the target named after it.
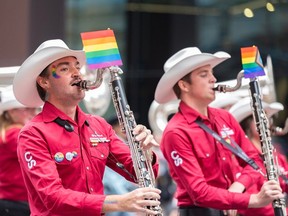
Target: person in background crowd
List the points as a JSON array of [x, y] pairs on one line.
[[158, 116], [63, 151], [13, 116], [242, 112], [225, 100], [202, 168], [113, 182]]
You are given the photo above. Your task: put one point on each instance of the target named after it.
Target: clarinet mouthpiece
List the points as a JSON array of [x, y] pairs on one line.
[[76, 84], [220, 88]]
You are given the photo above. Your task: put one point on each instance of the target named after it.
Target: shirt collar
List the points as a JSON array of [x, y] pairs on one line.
[[191, 114], [50, 113]]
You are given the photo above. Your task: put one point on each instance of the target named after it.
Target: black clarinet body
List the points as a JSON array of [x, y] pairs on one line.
[[141, 162], [140, 158], [268, 150], [126, 118], [263, 128]]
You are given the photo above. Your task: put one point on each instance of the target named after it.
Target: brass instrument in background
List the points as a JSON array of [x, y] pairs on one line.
[[141, 159], [96, 101], [159, 114]]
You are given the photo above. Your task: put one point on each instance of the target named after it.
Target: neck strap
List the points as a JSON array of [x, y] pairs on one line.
[[236, 149]]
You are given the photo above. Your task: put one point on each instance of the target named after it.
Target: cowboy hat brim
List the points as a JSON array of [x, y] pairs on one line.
[[24, 83], [8, 100], [164, 90], [242, 109]]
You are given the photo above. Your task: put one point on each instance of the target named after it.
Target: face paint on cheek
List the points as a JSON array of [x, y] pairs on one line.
[[54, 74]]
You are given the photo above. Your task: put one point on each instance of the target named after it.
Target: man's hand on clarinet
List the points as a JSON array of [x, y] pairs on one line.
[[137, 200], [145, 137], [270, 191]]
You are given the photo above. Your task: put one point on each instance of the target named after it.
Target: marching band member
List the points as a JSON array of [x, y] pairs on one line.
[[201, 166], [63, 151], [243, 114]]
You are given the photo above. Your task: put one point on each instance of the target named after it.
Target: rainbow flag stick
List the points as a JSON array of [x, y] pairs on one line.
[[252, 62], [101, 49]]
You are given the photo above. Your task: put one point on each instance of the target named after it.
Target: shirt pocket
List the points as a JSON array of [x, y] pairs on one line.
[[100, 151], [207, 157]]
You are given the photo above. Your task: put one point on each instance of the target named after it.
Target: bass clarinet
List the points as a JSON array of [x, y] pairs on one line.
[[262, 124], [141, 162]]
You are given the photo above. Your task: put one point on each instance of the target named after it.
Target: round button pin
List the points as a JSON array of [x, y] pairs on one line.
[[59, 157], [69, 156]]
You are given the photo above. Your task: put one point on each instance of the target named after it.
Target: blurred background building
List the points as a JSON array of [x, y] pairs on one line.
[[150, 31]]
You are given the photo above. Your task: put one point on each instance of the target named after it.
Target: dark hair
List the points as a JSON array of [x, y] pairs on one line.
[[176, 87], [40, 90], [113, 120], [245, 124]]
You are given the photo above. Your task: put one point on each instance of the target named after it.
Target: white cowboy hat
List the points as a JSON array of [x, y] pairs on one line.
[[223, 100], [24, 83], [8, 100], [242, 109], [179, 65]]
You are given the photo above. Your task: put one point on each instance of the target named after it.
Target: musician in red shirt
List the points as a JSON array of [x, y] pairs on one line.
[[202, 168], [242, 112], [63, 151]]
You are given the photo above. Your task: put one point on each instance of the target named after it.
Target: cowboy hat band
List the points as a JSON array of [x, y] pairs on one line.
[[24, 83], [179, 65]]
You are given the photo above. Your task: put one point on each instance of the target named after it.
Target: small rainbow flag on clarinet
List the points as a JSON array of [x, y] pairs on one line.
[[101, 49], [252, 62]]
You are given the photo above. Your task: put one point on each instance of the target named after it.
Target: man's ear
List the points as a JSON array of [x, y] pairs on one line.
[[182, 85], [42, 81]]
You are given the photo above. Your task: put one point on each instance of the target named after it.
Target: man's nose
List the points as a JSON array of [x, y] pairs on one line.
[[213, 78], [76, 72]]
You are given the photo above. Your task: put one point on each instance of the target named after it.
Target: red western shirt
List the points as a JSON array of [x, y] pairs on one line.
[[63, 170], [203, 168], [12, 185]]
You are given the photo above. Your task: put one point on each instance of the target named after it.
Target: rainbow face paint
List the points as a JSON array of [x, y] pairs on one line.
[[54, 74]]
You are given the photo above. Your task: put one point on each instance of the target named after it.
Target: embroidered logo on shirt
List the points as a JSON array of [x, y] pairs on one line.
[[29, 159], [95, 139], [177, 159], [226, 131]]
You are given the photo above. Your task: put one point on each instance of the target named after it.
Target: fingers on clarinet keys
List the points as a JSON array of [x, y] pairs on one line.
[[269, 192], [152, 210], [141, 133]]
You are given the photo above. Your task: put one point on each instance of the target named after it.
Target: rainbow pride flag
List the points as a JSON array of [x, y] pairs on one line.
[[101, 49], [252, 62]]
